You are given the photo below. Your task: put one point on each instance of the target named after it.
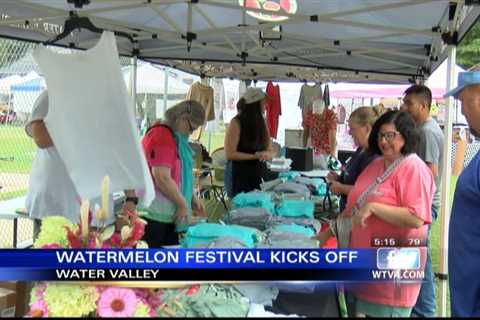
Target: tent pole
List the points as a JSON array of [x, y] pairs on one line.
[[165, 90], [133, 84], [446, 178]]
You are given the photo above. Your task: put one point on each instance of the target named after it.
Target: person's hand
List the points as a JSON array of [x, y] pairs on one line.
[[263, 155], [336, 187], [121, 221], [360, 218], [332, 176], [322, 237], [198, 207], [181, 215]]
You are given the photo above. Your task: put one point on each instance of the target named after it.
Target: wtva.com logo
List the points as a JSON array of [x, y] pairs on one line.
[[398, 258]]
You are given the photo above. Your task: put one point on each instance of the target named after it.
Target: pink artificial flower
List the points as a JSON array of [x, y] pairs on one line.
[[39, 309], [51, 246], [117, 302]]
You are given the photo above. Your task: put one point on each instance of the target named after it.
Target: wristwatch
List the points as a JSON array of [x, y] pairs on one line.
[[132, 199]]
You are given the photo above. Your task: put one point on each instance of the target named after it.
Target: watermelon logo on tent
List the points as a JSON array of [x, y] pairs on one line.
[[289, 6]]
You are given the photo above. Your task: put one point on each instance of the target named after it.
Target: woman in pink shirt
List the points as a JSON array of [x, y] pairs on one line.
[[394, 214]]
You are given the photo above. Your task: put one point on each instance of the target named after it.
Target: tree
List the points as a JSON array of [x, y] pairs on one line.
[[468, 52]]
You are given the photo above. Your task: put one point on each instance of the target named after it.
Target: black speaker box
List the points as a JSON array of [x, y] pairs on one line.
[[302, 158]]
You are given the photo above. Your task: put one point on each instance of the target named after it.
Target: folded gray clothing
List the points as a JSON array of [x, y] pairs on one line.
[[293, 188], [221, 242], [276, 239], [289, 244], [249, 217], [258, 293], [312, 223], [226, 243]]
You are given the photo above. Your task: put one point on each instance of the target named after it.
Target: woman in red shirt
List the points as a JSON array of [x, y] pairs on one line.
[[170, 160]]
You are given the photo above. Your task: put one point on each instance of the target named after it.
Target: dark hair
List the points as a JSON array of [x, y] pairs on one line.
[[421, 91], [253, 129], [404, 124]]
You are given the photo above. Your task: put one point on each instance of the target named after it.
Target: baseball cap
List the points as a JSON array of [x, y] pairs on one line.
[[253, 95], [465, 79]]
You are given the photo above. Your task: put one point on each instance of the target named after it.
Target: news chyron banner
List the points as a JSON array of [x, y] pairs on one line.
[[381, 264]]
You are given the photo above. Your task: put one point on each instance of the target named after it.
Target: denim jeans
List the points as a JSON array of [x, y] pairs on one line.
[[426, 306], [227, 179]]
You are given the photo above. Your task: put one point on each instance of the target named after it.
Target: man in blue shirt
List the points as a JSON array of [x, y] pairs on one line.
[[464, 234]]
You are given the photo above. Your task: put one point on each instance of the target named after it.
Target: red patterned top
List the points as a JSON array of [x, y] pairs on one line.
[[320, 125]]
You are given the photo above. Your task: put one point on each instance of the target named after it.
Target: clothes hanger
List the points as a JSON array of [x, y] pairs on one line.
[[75, 22]]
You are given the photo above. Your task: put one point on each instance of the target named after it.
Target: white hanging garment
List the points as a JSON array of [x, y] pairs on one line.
[[91, 120]]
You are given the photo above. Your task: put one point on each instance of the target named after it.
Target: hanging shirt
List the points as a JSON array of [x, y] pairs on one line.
[[273, 108], [464, 239], [204, 95], [309, 94], [341, 114], [218, 104], [91, 119], [326, 96], [51, 191], [242, 88], [320, 125]]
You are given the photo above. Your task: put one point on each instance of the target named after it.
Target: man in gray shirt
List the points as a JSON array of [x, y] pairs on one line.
[[417, 102]]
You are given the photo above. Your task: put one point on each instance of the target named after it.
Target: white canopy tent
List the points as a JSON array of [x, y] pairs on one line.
[[373, 41], [151, 79]]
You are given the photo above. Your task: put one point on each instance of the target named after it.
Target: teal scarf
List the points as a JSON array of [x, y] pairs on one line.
[[186, 159]]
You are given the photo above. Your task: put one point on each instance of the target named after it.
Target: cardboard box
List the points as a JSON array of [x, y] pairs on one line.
[[21, 299], [7, 303]]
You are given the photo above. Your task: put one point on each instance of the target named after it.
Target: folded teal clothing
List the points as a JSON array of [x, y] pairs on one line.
[[204, 233], [289, 175], [294, 228], [254, 199], [296, 208]]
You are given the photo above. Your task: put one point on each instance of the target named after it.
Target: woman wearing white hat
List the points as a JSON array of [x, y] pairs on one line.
[[247, 142]]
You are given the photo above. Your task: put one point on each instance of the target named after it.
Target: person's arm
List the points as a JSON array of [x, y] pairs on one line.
[[198, 207], [40, 134], [459, 157], [232, 137], [433, 168], [306, 135], [332, 138], [340, 188], [397, 216], [323, 236], [268, 154]]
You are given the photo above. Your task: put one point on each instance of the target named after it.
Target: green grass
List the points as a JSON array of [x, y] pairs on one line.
[[12, 194], [17, 150], [436, 248], [216, 141]]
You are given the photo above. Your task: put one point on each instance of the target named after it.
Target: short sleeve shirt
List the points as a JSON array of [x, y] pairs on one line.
[[397, 190], [320, 125], [161, 151]]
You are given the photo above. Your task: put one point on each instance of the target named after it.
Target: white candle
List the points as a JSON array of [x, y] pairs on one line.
[[105, 196], [84, 208]]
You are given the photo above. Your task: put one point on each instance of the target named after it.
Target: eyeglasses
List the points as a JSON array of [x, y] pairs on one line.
[[389, 136], [190, 126]]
